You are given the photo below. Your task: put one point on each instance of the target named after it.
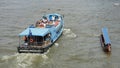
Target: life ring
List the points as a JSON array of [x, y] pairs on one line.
[[31, 40]]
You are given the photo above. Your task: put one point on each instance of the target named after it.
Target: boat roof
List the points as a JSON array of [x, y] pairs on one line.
[[34, 32], [105, 35]]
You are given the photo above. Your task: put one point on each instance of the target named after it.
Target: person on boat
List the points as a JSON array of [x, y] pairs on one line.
[[25, 40], [53, 18], [44, 20], [47, 39], [56, 23], [31, 40], [56, 20], [59, 19], [40, 24]]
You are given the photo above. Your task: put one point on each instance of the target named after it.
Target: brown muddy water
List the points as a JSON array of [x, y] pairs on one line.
[[78, 47]]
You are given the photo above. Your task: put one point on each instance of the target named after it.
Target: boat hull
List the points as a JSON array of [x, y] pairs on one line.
[[106, 48], [32, 49]]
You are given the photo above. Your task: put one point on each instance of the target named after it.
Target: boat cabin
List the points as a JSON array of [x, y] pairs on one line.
[[34, 37]]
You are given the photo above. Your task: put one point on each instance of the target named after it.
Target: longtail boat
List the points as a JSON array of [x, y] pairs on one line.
[[105, 40]]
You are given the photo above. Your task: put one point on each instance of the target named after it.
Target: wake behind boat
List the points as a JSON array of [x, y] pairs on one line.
[[39, 38]]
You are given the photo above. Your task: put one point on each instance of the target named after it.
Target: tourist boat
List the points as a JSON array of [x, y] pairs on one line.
[[39, 38], [105, 40]]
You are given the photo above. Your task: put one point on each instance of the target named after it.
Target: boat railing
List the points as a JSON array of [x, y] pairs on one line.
[[32, 44], [49, 26]]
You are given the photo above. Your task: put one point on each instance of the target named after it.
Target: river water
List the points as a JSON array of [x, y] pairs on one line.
[[78, 47]]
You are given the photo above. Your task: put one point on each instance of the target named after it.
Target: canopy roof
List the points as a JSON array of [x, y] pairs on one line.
[[34, 32], [105, 35]]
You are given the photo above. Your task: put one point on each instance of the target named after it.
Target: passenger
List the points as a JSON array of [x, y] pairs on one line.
[[25, 40], [56, 23], [53, 18], [31, 40], [59, 19], [45, 20], [47, 39], [50, 23], [40, 24]]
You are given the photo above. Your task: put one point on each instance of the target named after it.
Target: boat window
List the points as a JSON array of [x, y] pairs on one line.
[[47, 37], [39, 39]]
